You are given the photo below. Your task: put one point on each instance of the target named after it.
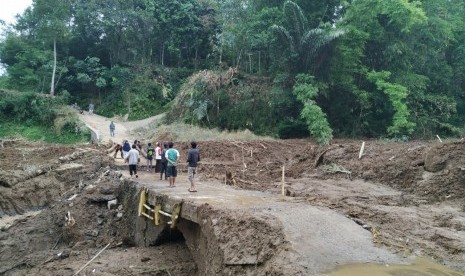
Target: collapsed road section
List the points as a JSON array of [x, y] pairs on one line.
[[237, 232], [62, 207]]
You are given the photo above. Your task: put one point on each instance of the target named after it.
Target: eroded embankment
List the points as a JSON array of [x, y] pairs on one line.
[[73, 221], [222, 242], [231, 231]]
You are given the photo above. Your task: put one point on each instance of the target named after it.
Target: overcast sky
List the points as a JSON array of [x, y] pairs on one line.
[[10, 8]]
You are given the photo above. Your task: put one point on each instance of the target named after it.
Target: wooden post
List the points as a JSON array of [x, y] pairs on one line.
[[360, 154], [282, 187]]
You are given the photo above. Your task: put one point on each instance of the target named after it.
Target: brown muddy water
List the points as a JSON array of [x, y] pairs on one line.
[[421, 267]]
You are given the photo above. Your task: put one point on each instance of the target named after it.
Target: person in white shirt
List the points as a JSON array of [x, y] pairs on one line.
[[158, 158], [133, 159]]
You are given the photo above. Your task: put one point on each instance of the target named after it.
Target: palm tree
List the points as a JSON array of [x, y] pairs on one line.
[[302, 42]]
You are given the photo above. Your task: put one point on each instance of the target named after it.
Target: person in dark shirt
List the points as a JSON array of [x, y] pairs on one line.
[[193, 157], [126, 148], [164, 162]]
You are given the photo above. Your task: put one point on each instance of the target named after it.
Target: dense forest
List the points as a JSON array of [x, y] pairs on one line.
[[325, 68]]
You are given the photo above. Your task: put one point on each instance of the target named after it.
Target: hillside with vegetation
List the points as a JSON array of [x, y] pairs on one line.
[[325, 69]]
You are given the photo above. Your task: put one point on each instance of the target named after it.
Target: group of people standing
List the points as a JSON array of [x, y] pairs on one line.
[[166, 160]]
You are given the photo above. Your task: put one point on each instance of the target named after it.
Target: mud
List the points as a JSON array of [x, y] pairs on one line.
[[409, 195], [35, 237]]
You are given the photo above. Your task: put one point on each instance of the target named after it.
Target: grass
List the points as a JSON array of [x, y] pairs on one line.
[[183, 133], [40, 133]]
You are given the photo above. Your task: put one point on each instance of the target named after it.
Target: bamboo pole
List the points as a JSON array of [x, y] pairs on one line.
[[92, 259], [282, 186], [360, 154]]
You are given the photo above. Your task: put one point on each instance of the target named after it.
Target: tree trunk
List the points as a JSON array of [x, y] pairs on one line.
[[52, 85], [163, 54]]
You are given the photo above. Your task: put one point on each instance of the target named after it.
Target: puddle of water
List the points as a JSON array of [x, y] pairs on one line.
[[421, 267]]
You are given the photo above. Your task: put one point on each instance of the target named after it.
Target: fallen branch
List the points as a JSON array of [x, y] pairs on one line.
[[245, 181], [234, 143], [91, 260], [334, 168], [58, 240], [154, 272], [320, 156]]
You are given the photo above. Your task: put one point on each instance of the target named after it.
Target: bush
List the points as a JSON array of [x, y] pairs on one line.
[[39, 117], [293, 129]]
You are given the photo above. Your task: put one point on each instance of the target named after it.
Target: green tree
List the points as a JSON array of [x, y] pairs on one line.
[[301, 42], [52, 18], [306, 91], [397, 95]]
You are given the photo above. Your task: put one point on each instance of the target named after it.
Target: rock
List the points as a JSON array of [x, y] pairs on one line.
[[5, 227], [99, 221], [119, 215], [90, 187], [64, 254], [68, 167], [145, 259], [91, 233], [435, 161], [107, 190]]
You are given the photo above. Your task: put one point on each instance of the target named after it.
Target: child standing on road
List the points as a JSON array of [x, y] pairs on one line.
[[150, 152]]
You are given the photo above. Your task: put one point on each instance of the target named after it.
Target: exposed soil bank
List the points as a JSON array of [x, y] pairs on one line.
[[417, 209], [78, 180]]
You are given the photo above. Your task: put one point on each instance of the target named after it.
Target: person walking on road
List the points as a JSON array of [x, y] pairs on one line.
[[172, 156], [193, 157], [112, 129], [133, 159]]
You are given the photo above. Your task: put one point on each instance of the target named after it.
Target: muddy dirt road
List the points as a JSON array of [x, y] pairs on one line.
[[123, 129], [408, 196]]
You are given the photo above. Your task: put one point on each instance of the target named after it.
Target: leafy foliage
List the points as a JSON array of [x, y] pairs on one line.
[[38, 117], [379, 67], [318, 125], [397, 95], [302, 43]]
